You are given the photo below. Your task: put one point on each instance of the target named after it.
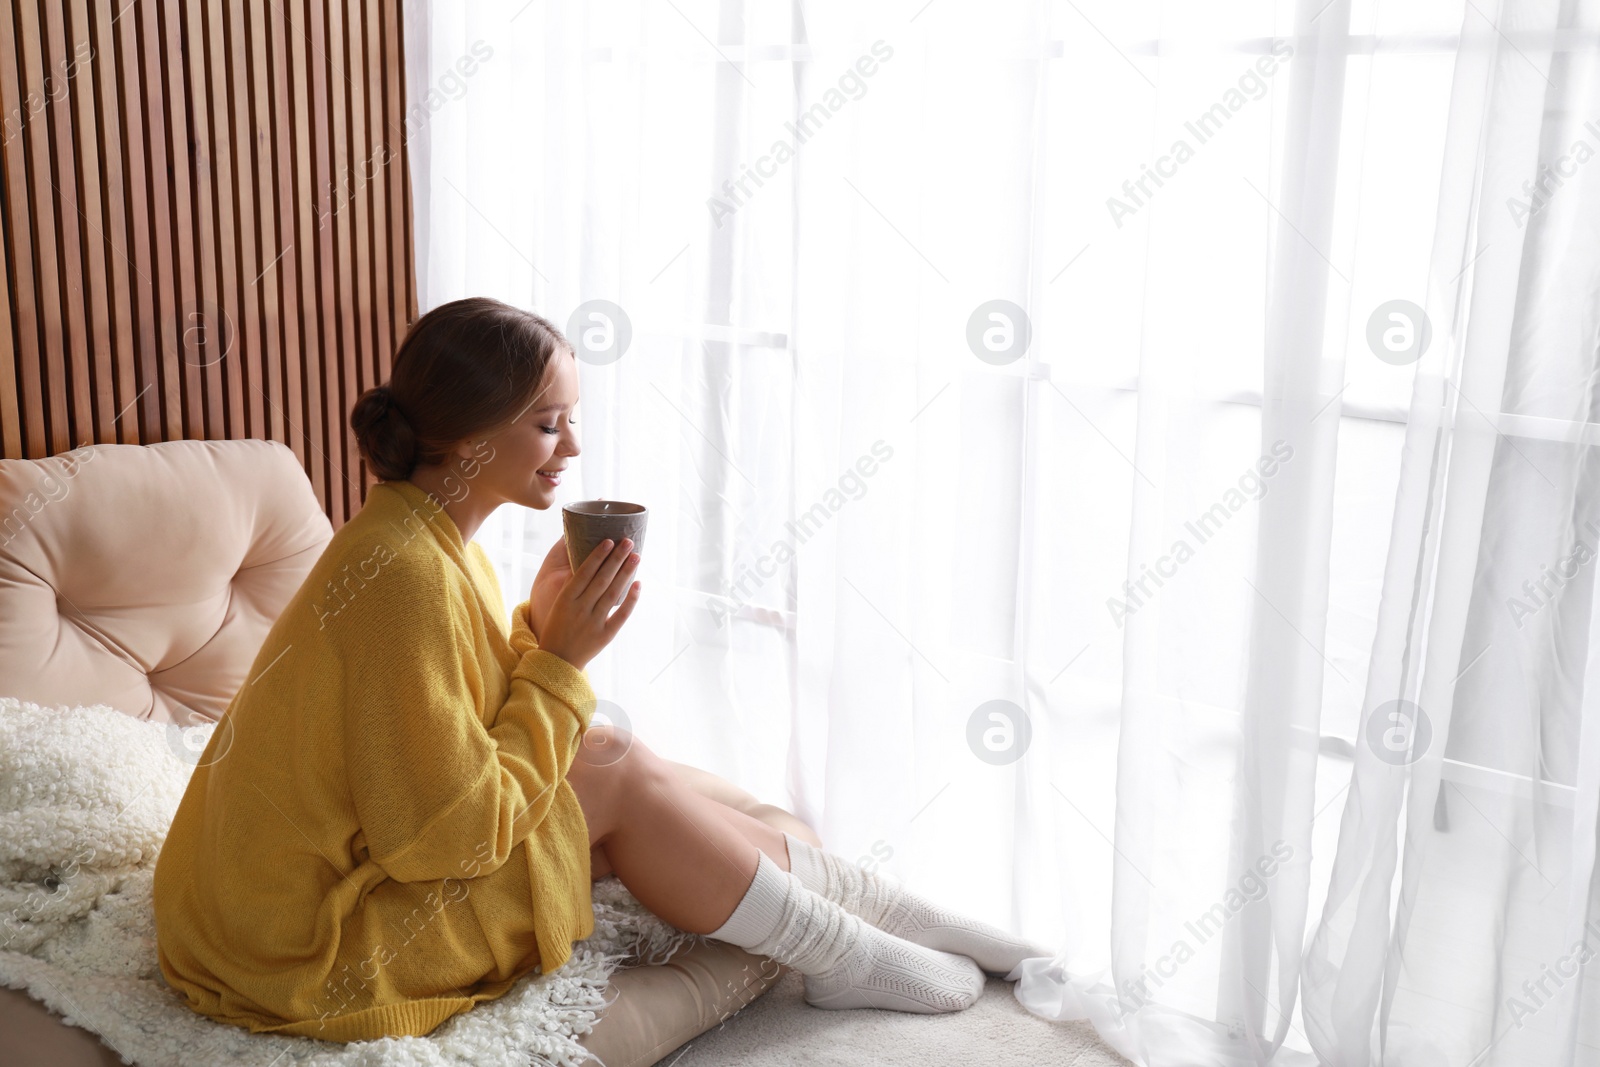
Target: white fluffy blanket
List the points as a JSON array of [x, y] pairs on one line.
[[86, 797]]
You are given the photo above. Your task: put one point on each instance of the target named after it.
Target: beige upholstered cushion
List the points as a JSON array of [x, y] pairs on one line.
[[146, 577], [659, 1008], [656, 1010]]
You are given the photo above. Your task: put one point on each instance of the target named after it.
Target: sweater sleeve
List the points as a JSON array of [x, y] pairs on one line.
[[436, 792]]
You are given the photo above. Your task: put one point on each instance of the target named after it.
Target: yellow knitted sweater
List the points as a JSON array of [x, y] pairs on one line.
[[380, 832]]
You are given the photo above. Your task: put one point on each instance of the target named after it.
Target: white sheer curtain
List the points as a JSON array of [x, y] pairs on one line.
[[1460, 919], [1052, 499]]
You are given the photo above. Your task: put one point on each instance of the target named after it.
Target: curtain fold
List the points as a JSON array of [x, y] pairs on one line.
[[1122, 468], [1469, 872]]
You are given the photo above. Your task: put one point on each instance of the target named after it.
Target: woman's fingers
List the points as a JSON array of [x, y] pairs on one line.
[[620, 580], [625, 609], [600, 591], [585, 573]]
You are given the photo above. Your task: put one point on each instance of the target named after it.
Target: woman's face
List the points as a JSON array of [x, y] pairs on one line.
[[524, 462]]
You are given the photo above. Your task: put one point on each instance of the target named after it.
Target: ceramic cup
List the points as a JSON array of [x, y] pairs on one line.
[[588, 522]]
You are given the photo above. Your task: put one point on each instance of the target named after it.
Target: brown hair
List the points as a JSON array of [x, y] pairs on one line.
[[465, 369]]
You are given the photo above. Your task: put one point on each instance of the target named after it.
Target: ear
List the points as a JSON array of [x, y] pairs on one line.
[[463, 450]]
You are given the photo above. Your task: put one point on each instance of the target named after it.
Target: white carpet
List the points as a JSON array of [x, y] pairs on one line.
[[779, 1028]]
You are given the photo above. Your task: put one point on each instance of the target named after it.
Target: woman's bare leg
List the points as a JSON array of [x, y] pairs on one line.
[[685, 857], [764, 829], [739, 801]]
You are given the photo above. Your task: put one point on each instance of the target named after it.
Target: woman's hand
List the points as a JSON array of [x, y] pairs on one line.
[[553, 574], [577, 626]]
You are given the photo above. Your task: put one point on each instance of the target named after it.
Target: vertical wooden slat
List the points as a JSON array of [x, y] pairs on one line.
[[257, 190], [104, 78], [397, 81], [78, 155], [345, 312], [10, 397], [282, 196], [302, 201], [28, 340], [378, 151], [62, 176], [375, 275], [203, 223], [145, 54], [46, 263], [180, 367], [360, 200], [400, 306], [202, 319], [250, 326], [234, 349], [327, 269]]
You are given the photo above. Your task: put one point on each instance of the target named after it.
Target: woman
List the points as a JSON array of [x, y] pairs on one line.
[[405, 814]]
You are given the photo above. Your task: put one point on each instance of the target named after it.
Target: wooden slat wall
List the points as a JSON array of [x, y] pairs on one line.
[[206, 225]]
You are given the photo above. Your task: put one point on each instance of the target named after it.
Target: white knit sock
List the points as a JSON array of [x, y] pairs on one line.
[[898, 911], [847, 963]]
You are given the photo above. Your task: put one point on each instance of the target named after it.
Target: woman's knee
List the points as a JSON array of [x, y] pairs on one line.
[[612, 773], [607, 747], [597, 786]]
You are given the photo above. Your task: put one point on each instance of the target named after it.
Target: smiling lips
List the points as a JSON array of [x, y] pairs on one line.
[[551, 476]]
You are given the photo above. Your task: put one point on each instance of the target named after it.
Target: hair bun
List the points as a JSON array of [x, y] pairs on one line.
[[384, 435], [385, 395]]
